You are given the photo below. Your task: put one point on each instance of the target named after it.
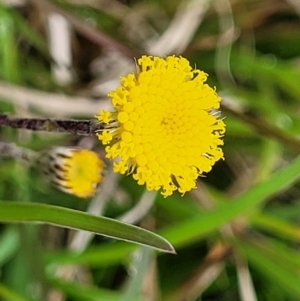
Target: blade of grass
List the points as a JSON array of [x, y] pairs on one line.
[[9, 243], [84, 292], [32, 36], [9, 295], [97, 256], [197, 227], [8, 51], [13, 212], [282, 251], [277, 226]]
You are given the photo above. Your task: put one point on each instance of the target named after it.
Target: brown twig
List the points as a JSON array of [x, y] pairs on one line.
[[75, 127]]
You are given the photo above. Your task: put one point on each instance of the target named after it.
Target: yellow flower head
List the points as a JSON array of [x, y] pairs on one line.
[[74, 170], [165, 128]]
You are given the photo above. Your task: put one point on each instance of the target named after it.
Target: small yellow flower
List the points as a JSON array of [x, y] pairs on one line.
[[74, 170], [165, 128]]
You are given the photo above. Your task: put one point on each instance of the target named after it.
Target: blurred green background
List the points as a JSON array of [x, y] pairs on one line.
[[237, 236]]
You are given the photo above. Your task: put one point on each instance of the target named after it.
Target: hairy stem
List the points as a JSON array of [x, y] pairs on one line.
[[75, 127]]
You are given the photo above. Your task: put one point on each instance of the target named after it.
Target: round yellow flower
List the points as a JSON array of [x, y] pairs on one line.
[[165, 128], [74, 170]]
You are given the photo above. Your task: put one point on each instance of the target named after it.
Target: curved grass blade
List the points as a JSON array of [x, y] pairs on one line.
[[276, 226], [13, 212], [79, 291], [102, 255], [9, 295], [197, 227]]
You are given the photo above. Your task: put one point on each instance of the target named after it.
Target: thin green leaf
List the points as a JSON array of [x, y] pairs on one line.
[[197, 227], [33, 37], [102, 255], [277, 226], [13, 212], [84, 292], [8, 52], [8, 295], [282, 253], [9, 243]]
